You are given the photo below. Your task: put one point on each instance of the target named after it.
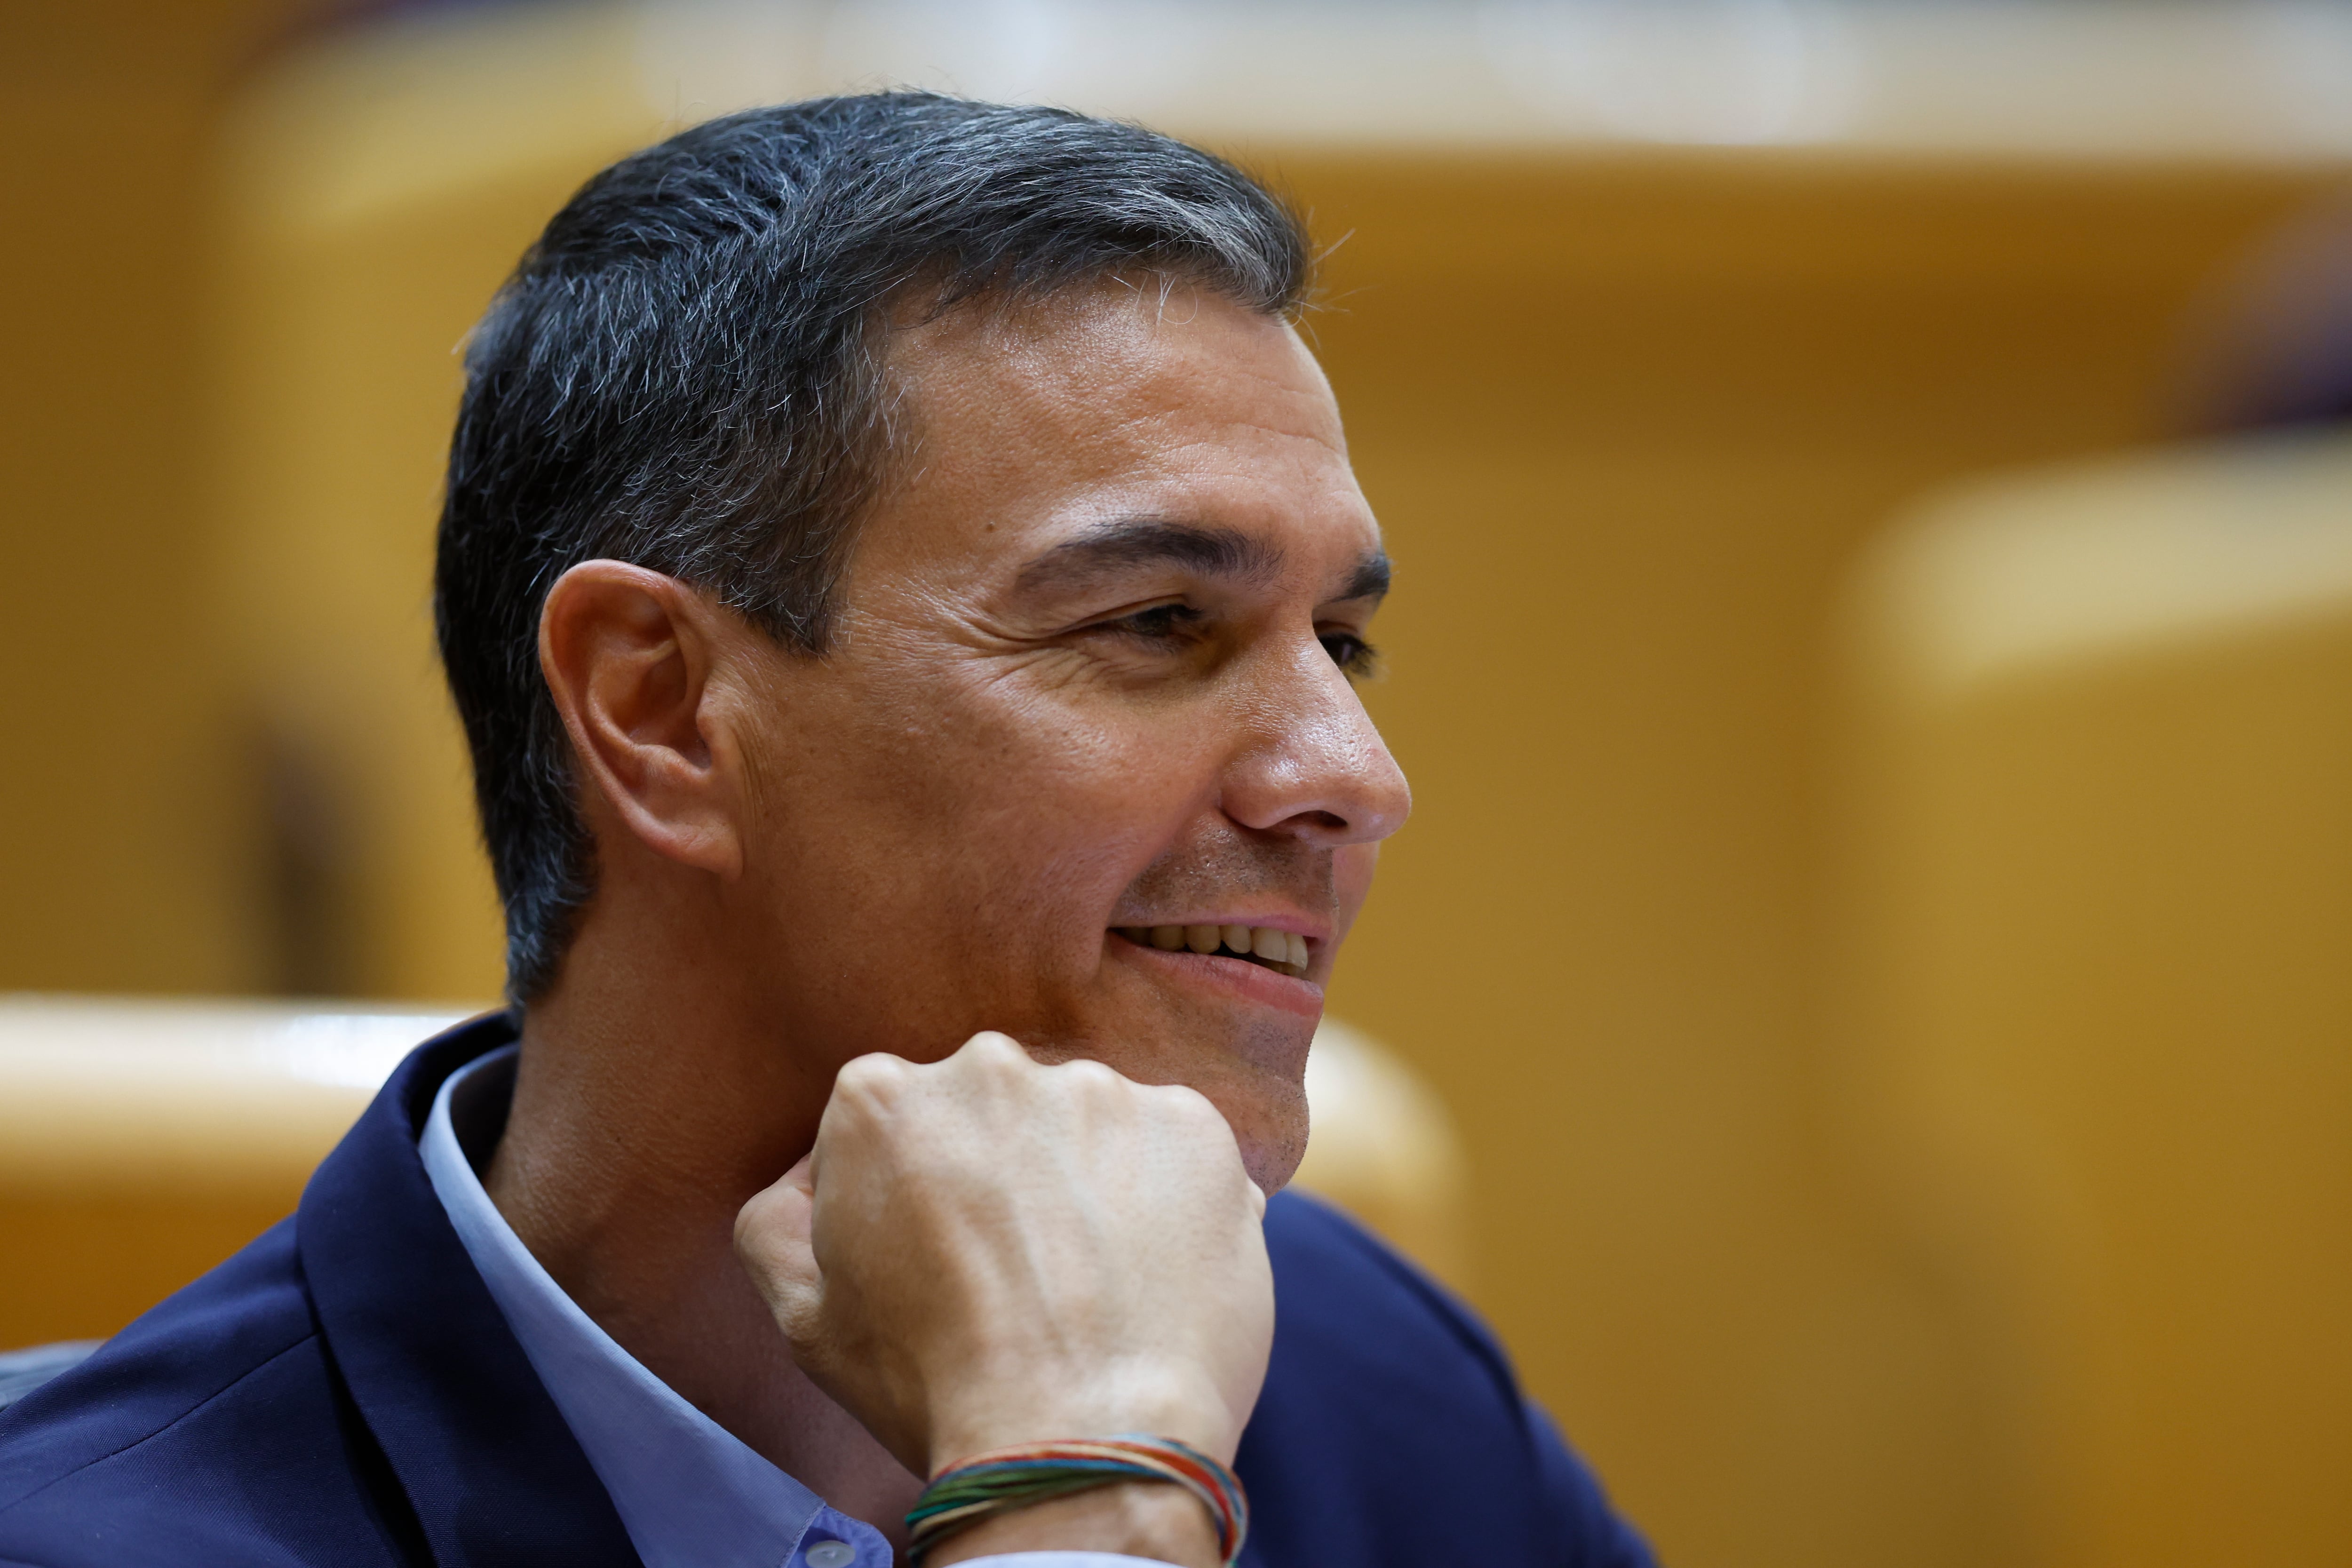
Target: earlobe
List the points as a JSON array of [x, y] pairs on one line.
[[629, 656]]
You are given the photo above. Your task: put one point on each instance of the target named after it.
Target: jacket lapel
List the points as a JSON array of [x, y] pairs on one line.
[[493, 1473]]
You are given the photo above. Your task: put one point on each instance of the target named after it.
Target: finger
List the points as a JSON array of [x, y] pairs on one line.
[[773, 1237], [994, 1045]]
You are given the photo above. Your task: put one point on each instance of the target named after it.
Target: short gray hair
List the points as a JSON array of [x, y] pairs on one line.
[[685, 373]]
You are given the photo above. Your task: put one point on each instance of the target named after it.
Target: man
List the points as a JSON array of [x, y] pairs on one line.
[[902, 582]]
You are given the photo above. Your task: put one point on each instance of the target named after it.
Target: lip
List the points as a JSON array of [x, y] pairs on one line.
[[1231, 978]]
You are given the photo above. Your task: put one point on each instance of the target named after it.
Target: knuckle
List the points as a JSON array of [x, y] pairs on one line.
[[859, 1072], [877, 1078], [1090, 1076], [995, 1053], [1188, 1107]]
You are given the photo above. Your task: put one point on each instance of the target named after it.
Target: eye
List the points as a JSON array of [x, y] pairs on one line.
[[1352, 654], [1174, 621]]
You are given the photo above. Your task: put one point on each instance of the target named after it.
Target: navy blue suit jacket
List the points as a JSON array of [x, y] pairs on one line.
[[344, 1393]]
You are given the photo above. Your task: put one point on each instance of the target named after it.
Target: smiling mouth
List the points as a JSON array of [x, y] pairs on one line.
[[1283, 952]]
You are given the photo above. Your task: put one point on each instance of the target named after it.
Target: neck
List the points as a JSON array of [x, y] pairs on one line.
[[643, 1117]]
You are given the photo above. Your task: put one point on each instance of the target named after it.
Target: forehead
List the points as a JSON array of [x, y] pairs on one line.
[[1034, 422]]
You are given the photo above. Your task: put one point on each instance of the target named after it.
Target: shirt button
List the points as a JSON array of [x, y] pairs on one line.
[[831, 1555]]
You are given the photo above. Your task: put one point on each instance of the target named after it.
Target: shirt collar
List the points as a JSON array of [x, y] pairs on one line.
[[690, 1493]]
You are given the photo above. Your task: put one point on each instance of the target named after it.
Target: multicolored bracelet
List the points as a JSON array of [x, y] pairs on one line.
[[1005, 1478]]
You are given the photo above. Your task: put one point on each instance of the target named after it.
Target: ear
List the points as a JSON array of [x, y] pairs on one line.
[[628, 656]]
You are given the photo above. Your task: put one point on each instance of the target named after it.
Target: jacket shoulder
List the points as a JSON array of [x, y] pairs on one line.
[[214, 1429], [1345, 1297], [1392, 1429]]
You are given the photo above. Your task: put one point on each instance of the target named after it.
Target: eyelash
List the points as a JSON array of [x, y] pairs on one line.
[[1170, 622], [1357, 659], [1161, 623]]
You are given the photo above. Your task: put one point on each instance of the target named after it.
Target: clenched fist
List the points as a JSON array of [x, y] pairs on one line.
[[983, 1251]]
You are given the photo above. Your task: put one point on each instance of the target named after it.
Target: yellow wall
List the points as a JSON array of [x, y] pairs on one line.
[[119, 784], [2097, 998], [1627, 418], [1627, 421], [371, 203]]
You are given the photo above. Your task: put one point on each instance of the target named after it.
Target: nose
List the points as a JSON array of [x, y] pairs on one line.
[[1314, 765]]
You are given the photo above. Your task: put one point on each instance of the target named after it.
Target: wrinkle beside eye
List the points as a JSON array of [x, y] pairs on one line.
[[1048, 668]]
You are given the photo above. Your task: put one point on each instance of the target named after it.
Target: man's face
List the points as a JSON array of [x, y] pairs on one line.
[[1092, 676]]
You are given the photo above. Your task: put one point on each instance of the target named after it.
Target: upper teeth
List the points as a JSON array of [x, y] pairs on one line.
[[1287, 949]]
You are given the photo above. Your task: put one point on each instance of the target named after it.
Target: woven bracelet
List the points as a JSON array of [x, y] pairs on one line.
[[1005, 1478]]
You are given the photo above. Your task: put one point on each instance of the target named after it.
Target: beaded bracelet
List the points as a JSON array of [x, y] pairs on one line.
[[1005, 1478]]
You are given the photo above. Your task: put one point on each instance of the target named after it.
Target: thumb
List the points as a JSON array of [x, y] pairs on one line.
[[773, 1238]]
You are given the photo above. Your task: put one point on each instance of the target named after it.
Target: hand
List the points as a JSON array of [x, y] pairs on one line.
[[983, 1251]]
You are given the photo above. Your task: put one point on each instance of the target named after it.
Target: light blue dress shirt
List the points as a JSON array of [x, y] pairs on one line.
[[690, 1493]]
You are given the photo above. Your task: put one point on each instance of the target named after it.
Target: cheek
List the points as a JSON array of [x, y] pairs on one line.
[[1022, 804], [1092, 807]]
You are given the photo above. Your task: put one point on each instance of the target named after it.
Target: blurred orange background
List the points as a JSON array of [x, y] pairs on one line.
[[1880, 894]]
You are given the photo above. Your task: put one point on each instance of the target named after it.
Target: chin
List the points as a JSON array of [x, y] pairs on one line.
[[1272, 1134], [1249, 1061], [1272, 1167]]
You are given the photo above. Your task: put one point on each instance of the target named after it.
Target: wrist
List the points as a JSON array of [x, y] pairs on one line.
[[1055, 1410]]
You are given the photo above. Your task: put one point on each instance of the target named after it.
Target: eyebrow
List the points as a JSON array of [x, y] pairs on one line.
[[1370, 579], [1123, 543]]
